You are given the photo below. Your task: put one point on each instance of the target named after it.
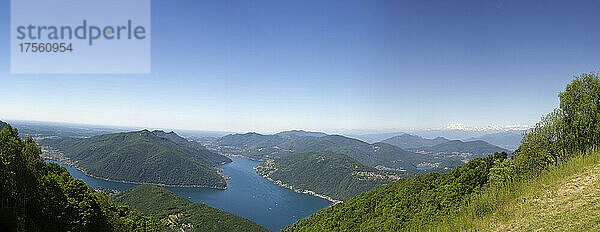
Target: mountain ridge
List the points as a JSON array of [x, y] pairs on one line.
[[259, 147]]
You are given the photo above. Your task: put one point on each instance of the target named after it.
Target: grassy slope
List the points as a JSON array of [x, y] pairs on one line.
[[565, 198], [158, 202]]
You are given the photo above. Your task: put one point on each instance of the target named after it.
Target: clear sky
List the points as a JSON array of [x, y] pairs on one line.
[[327, 65]]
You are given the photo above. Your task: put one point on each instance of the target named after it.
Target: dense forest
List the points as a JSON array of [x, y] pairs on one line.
[[143, 157], [425, 201], [331, 174], [181, 214], [40, 196]]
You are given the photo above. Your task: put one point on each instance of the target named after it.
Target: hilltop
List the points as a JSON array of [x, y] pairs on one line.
[[301, 133], [143, 157], [181, 214], [408, 141], [325, 173]]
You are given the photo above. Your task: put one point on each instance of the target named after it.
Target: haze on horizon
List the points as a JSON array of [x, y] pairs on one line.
[[270, 66]]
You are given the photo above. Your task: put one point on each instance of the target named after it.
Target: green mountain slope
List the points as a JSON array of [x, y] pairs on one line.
[[471, 147], [405, 204], [563, 198], [181, 214], [569, 202], [408, 141], [39, 196], [335, 175], [2, 125], [143, 157]]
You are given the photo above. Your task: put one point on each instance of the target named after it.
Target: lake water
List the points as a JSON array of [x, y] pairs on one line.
[[248, 195]]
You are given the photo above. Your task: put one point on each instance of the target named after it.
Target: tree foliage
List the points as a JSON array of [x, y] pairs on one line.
[[39, 196], [572, 128]]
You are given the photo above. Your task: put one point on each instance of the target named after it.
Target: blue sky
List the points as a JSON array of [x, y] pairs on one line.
[[327, 65]]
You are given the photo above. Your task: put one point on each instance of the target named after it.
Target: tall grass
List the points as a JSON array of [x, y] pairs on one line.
[[496, 203]]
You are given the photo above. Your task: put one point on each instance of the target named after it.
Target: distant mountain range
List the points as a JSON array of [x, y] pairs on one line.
[[408, 141], [471, 147], [260, 147], [2, 125], [380, 155], [143, 157], [326, 173], [180, 214], [442, 145], [507, 139]]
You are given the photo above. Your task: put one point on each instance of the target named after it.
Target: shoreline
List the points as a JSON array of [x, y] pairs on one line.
[[138, 183], [299, 190]]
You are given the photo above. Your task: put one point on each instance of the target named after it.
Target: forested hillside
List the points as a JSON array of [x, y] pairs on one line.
[[2, 125], [483, 187], [143, 157], [181, 214], [39, 196], [326, 173], [401, 205]]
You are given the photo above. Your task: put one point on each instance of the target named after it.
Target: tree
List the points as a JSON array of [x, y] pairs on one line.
[[580, 104]]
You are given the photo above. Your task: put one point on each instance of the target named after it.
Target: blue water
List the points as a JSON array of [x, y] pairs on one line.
[[248, 195]]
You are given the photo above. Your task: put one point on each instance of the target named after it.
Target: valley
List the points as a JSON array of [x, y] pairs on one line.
[[248, 195], [302, 166]]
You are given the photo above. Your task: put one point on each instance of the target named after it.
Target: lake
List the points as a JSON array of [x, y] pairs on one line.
[[248, 195]]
